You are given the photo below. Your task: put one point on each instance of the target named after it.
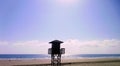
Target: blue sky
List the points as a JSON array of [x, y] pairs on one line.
[[24, 20]]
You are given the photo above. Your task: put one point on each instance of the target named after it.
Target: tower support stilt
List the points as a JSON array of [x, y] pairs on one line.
[[56, 60]]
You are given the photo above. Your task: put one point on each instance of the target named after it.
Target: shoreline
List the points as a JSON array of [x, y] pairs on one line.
[[65, 62]]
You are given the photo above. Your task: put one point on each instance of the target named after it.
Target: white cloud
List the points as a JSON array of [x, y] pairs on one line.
[[26, 47], [3, 43], [72, 46], [75, 46]]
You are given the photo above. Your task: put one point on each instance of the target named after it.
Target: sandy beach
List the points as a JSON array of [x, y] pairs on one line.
[[65, 62]]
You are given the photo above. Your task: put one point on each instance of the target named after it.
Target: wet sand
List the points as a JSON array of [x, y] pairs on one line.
[[65, 62]]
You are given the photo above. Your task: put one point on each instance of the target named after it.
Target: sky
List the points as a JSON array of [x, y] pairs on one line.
[[27, 26]]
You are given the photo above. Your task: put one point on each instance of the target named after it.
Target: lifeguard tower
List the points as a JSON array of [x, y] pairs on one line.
[[56, 52]]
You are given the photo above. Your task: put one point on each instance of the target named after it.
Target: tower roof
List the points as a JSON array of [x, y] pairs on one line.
[[56, 41]]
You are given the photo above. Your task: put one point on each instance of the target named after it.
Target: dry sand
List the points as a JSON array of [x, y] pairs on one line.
[[65, 62]]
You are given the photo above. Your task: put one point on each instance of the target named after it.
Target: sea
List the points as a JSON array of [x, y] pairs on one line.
[[42, 56]]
